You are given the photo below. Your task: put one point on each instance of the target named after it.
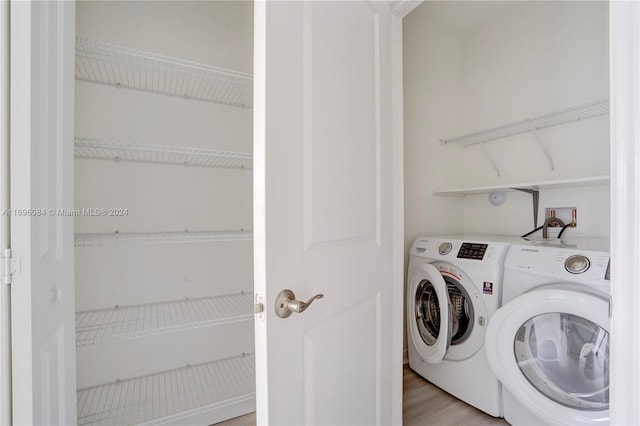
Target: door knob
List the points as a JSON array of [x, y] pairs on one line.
[[286, 303]]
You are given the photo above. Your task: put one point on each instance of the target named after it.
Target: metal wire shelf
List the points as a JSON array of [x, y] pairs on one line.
[[120, 66], [100, 149], [131, 322], [170, 395], [577, 113], [123, 238]]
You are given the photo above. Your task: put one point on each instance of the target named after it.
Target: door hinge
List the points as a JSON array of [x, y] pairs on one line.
[[8, 266]]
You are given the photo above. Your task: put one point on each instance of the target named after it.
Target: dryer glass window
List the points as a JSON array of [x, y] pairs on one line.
[[566, 357], [427, 310]]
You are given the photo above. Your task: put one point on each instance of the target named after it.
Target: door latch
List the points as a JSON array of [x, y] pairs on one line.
[[258, 307]]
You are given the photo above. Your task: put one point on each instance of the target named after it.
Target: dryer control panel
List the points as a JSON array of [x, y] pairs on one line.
[[559, 263], [472, 251]]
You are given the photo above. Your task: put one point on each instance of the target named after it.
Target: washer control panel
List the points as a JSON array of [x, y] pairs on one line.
[[472, 251], [468, 249]]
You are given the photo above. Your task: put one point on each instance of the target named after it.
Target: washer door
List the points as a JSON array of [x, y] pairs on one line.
[[430, 317], [550, 349], [469, 312]]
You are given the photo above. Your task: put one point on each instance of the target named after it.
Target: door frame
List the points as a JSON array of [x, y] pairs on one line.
[[5, 242], [624, 75], [624, 59], [625, 207], [400, 9], [42, 46]]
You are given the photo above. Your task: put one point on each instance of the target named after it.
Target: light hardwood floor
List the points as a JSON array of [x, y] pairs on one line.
[[423, 405]]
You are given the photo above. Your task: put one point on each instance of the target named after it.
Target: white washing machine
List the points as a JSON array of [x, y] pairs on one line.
[[453, 289], [549, 343]]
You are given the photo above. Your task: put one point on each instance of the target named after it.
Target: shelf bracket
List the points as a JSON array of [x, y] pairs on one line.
[[535, 194], [546, 153], [486, 154]]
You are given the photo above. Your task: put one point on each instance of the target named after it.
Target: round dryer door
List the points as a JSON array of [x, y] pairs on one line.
[[430, 316], [550, 349]]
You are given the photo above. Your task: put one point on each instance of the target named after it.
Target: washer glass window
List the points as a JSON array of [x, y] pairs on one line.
[[462, 309], [566, 357], [427, 311]]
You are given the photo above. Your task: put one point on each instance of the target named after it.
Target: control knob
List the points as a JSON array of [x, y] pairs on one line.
[[445, 248], [577, 264]]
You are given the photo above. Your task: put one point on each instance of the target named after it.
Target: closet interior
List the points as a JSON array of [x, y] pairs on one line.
[[163, 191]]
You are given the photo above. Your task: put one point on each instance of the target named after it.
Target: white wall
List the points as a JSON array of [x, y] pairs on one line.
[[474, 65], [433, 95], [162, 198], [535, 58], [217, 33]]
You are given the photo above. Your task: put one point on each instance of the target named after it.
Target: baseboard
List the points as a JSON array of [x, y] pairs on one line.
[[214, 414], [405, 356]]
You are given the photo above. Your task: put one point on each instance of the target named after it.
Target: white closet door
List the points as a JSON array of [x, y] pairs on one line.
[[323, 163], [43, 319]]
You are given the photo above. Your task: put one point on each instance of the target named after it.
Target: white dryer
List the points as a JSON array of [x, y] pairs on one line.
[[453, 289], [549, 342]]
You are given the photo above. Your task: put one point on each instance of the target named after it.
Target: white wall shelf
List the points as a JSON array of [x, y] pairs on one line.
[[169, 396], [100, 149], [124, 238], [131, 322], [569, 115], [120, 66], [532, 124], [552, 184]]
